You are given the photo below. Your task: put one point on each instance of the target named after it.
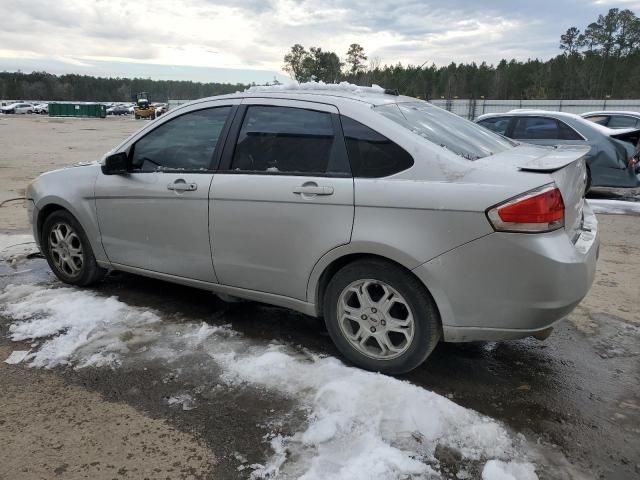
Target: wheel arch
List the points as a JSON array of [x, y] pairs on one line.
[[327, 268], [84, 215]]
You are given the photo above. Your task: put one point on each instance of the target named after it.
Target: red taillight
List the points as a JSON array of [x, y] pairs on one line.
[[632, 162], [540, 210]]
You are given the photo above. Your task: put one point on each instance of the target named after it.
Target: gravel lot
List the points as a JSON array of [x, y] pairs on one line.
[[178, 407]]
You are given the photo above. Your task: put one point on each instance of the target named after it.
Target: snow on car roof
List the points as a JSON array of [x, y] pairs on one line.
[[375, 94], [317, 86]]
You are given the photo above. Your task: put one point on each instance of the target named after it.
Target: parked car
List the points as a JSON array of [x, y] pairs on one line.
[[118, 110], [18, 108], [613, 157], [161, 109], [398, 222], [42, 108], [614, 119]]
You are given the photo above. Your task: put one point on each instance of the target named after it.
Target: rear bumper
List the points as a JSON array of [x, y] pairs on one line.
[[508, 285]]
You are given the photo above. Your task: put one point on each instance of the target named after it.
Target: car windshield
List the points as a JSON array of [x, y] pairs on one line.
[[446, 129]]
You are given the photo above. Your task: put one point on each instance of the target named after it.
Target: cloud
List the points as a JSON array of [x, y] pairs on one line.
[[255, 34]]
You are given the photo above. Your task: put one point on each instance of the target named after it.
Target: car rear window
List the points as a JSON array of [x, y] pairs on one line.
[[462, 137], [621, 121]]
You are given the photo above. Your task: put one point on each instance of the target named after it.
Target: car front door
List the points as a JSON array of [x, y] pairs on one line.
[[157, 216], [283, 196]]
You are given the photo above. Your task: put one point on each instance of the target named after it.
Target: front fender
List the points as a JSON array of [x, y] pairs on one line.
[[72, 189]]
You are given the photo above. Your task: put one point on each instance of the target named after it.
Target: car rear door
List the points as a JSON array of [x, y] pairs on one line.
[[541, 130], [157, 217], [283, 196]]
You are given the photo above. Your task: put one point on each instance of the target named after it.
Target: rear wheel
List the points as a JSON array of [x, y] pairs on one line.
[[67, 250], [381, 317]]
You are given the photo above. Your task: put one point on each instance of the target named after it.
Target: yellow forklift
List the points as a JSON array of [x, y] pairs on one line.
[[143, 108]]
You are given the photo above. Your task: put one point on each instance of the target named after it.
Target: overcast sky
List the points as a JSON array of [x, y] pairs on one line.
[[245, 40]]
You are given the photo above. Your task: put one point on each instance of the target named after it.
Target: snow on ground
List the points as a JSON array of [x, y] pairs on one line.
[[614, 206], [13, 248], [361, 425]]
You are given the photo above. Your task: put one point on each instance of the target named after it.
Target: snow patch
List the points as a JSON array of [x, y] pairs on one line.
[[16, 357], [497, 470], [184, 399], [315, 86], [360, 425], [14, 248], [614, 206], [82, 329], [365, 425]]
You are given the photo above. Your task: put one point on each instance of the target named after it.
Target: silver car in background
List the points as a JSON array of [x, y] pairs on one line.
[[613, 159], [399, 223], [616, 119]]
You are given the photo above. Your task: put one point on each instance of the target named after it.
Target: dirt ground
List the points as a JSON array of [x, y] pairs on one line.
[[579, 390], [31, 145]]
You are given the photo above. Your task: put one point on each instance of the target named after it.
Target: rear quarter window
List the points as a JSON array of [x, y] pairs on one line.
[[371, 154]]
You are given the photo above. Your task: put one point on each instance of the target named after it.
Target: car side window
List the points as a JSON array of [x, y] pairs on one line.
[[496, 124], [536, 128], [599, 119], [622, 121], [186, 142], [287, 140], [568, 133], [371, 154]]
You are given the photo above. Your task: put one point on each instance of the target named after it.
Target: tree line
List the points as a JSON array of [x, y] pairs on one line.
[[601, 61], [46, 86]]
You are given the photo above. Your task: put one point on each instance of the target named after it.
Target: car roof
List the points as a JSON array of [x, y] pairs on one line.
[[612, 112], [321, 92]]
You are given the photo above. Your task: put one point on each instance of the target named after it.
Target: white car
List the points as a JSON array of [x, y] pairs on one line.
[[18, 108], [42, 108], [616, 119]]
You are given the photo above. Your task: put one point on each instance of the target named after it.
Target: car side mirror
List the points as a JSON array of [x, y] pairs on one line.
[[116, 164]]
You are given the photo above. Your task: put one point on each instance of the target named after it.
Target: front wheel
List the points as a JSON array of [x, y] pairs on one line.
[[381, 317], [67, 250]]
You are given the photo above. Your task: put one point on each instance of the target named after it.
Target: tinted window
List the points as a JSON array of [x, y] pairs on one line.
[[462, 137], [536, 128], [184, 143], [568, 133], [371, 154], [496, 124], [622, 121], [286, 140]]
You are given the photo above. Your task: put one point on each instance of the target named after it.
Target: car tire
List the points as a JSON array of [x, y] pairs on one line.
[[29, 112], [68, 252], [373, 302]]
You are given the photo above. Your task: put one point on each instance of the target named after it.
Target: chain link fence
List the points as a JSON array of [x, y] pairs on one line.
[[473, 108]]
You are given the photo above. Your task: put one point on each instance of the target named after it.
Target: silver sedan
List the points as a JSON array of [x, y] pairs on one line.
[[397, 222], [613, 159]]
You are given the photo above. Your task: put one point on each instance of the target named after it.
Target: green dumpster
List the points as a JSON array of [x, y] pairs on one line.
[[84, 110]]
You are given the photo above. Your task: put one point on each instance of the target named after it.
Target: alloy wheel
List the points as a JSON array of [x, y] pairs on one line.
[[375, 319], [65, 249]]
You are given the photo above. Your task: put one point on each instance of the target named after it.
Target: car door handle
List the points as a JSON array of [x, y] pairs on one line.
[[182, 186], [313, 190]]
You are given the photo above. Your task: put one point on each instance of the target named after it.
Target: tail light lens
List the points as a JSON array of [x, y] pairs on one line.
[[540, 210]]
